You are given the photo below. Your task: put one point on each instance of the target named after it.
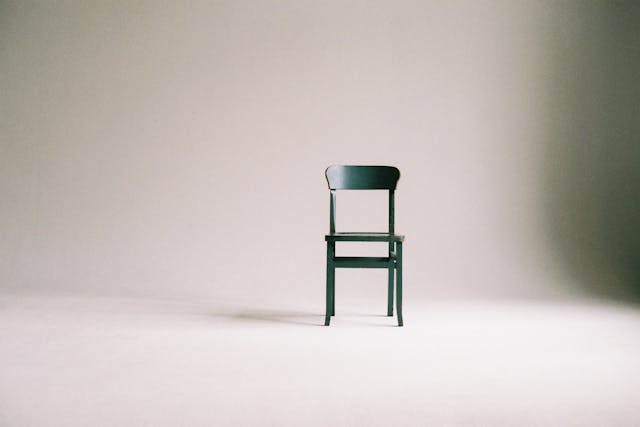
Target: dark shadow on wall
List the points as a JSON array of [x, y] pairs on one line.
[[592, 170]]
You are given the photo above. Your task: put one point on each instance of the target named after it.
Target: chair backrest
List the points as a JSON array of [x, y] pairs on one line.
[[362, 177], [341, 177]]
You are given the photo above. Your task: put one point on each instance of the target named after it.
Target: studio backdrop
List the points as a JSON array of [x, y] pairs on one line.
[[180, 149]]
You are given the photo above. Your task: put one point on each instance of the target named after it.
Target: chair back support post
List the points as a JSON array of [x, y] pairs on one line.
[[332, 212], [391, 217]]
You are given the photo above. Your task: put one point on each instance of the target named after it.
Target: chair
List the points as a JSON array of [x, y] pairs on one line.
[[363, 178]]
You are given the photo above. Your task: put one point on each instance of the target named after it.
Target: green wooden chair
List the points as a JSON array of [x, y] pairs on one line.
[[363, 178]]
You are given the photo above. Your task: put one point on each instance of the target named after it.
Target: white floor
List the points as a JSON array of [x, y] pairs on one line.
[[74, 361]]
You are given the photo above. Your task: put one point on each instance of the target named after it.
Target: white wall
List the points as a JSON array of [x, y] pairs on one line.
[[179, 148]]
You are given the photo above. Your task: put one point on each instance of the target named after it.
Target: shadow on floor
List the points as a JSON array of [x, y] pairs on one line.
[[279, 316], [290, 316]]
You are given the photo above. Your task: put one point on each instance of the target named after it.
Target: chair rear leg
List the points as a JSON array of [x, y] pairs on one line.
[[399, 282], [390, 293]]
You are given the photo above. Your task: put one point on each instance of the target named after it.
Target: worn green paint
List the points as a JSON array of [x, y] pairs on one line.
[[364, 178]]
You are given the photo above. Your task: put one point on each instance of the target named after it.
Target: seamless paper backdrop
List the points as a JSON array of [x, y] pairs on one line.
[[179, 148]]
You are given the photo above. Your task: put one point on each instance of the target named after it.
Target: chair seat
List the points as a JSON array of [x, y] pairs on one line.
[[363, 237]]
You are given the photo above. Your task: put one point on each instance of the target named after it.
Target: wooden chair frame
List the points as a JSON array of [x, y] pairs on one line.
[[364, 178]]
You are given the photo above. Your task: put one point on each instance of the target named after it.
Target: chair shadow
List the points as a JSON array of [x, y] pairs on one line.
[[288, 317], [278, 316]]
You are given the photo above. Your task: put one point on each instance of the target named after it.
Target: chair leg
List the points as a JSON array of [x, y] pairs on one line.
[[390, 283], [390, 293], [399, 282], [330, 283], [333, 291], [332, 254]]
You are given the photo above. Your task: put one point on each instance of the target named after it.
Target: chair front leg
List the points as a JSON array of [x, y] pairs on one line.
[[390, 284], [399, 282], [333, 292], [330, 283], [333, 279]]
